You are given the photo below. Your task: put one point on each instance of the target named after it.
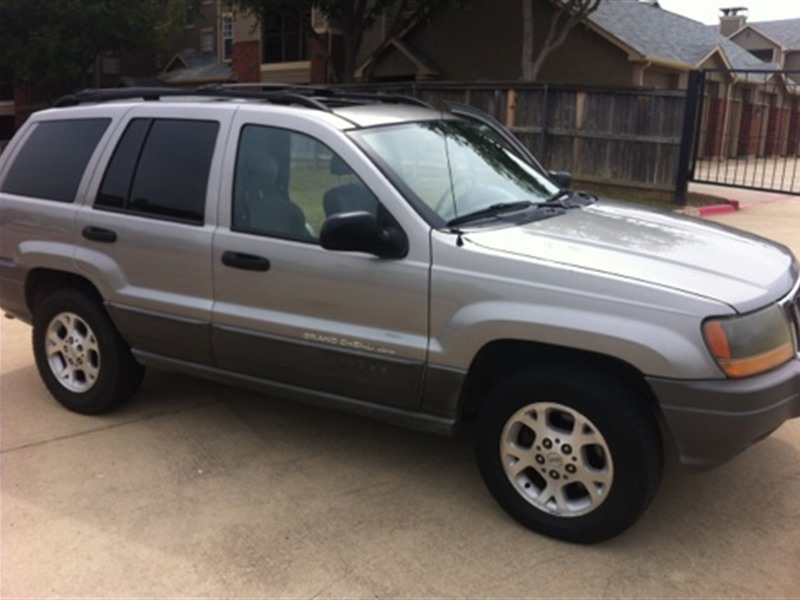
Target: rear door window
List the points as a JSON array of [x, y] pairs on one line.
[[51, 164], [160, 168]]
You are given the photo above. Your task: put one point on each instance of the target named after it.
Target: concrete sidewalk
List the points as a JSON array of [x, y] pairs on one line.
[[739, 197], [205, 491], [775, 216]]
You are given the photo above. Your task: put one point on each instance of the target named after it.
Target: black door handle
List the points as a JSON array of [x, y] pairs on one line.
[[249, 262], [98, 234]]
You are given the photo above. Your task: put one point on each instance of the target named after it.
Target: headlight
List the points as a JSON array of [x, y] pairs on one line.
[[750, 344]]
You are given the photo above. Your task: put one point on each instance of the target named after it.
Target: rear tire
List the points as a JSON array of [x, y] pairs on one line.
[[572, 453], [82, 359]]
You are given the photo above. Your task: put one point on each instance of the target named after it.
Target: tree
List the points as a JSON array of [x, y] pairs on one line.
[[568, 13], [354, 17], [52, 44]]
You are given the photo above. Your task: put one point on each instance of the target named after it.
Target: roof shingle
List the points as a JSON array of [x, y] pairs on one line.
[[658, 33]]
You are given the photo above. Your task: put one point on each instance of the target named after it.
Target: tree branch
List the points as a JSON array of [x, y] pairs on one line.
[[568, 15]]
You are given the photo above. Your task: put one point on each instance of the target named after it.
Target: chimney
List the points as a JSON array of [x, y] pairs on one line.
[[732, 20]]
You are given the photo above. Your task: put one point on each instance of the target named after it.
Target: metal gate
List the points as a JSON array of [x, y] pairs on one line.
[[742, 129]]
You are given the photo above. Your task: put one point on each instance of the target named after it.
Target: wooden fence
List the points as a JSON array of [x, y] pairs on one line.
[[605, 137]]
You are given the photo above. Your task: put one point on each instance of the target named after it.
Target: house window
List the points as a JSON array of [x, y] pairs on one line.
[[188, 16], [286, 36], [207, 41], [765, 54], [226, 38]]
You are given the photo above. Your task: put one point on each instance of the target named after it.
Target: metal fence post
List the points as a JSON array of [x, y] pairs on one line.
[[691, 118]]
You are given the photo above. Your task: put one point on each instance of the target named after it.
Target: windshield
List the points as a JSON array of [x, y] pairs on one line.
[[454, 168]]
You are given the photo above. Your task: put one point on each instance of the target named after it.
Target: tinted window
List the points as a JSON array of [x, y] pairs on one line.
[[161, 167], [51, 163], [117, 181]]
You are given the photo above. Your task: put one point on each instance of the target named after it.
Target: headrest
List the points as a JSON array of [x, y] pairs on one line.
[[263, 164]]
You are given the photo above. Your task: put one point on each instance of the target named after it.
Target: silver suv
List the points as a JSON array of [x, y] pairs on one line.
[[372, 254]]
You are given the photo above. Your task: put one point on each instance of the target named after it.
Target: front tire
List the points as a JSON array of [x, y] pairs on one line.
[[82, 359], [573, 453]]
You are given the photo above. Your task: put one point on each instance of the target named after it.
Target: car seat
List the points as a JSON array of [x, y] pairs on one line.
[[262, 205]]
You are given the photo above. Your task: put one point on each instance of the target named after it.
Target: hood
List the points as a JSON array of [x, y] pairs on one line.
[[659, 248]]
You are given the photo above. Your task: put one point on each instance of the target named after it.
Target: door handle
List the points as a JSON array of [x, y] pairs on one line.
[[248, 262], [99, 234]]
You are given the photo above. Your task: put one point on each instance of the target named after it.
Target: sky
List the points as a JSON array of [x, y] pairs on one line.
[[707, 11]]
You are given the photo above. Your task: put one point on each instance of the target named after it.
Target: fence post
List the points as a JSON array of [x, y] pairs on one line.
[[511, 109], [691, 118], [545, 109]]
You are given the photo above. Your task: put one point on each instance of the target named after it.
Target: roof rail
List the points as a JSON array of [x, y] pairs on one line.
[[317, 97], [91, 96], [333, 95]]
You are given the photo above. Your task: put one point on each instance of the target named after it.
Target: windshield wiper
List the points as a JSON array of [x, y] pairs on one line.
[[569, 199], [491, 211]]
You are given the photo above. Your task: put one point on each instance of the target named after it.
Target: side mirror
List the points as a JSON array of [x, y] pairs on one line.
[[562, 179], [359, 232]]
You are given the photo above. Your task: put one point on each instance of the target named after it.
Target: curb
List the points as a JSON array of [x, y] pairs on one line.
[[729, 206], [718, 209]]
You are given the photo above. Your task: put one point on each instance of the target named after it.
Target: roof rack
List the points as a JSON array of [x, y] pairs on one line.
[[317, 97]]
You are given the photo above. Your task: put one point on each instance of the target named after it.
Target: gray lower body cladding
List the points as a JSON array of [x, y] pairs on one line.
[[12, 286], [712, 421]]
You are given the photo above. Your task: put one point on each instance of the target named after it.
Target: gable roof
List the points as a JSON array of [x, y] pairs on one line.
[[659, 35], [192, 68], [785, 32]]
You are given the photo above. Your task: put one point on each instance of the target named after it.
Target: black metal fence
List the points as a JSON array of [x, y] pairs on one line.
[[743, 130]]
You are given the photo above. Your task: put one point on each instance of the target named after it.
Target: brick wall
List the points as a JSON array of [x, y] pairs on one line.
[[246, 61]]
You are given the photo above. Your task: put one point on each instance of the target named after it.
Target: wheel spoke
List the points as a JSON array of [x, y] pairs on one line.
[[525, 461], [584, 433], [553, 494], [531, 419], [598, 489], [53, 338]]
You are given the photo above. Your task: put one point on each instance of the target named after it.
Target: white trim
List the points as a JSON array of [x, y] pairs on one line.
[[285, 66]]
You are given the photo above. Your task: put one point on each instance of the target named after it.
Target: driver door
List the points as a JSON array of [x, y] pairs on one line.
[[288, 311]]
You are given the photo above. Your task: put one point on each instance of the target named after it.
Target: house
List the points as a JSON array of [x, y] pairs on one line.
[[200, 49], [772, 41], [625, 43], [774, 106]]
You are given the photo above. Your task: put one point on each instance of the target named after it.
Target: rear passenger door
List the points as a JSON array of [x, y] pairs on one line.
[[344, 324], [146, 237]]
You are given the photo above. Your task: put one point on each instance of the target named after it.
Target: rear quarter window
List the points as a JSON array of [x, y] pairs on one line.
[[52, 161]]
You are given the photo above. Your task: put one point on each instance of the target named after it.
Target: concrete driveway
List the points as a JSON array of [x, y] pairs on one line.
[[200, 490]]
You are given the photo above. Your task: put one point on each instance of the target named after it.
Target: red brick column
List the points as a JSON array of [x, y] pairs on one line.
[[246, 61], [327, 56]]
